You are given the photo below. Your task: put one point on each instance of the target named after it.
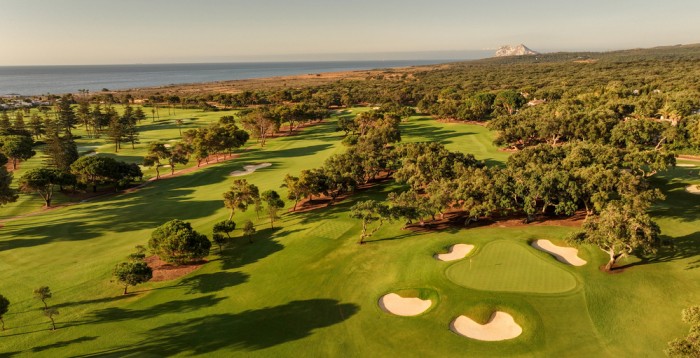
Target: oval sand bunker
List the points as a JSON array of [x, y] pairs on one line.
[[567, 255], [693, 189], [248, 169], [501, 326], [403, 306], [457, 252]]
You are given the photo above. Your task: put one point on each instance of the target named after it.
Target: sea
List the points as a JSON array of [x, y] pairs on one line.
[[41, 80]]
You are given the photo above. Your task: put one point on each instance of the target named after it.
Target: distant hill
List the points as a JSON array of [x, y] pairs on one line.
[[518, 50]]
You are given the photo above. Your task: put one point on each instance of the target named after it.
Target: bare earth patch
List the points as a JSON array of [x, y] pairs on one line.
[[458, 251], [163, 271], [501, 326], [403, 306], [693, 189], [249, 169], [567, 255]]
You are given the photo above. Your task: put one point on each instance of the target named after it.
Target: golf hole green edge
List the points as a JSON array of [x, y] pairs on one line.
[[506, 266]]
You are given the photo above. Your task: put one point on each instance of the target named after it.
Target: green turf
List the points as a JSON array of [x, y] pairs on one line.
[[510, 267], [306, 288]]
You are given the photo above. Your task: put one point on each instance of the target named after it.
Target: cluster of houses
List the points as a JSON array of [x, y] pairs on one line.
[[15, 101]]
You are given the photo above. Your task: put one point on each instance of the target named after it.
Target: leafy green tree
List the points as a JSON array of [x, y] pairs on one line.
[[226, 227], [249, 230], [50, 312], [156, 153], [241, 195], [133, 272], [370, 211], [689, 346], [42, 294], [66, 116], [36, 126], [294, 190], [41, 181], [7, 193], [219, 240], [5, 124], [17, 147], [61, 151], [273, 203], [179, 154], [18, 125], [619, 230], [176, 242], [4, 307], [508, 101]]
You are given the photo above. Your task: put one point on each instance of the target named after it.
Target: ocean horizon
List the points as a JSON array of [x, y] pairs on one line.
[[59, 79]]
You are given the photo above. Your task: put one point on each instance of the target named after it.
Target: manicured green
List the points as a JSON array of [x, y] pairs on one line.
[[510, 267], [307, 288]]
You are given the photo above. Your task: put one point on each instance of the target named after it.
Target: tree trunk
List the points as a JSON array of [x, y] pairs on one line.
[[364, 231], [14, 163], [230, 215], [53, 324], [94, 188], [613, 259], [157, 173], [3, 323], [125, 289], [48, 202], [295, 204], [271, 222]]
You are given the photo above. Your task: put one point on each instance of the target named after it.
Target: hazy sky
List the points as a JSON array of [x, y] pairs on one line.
[[156, 31]]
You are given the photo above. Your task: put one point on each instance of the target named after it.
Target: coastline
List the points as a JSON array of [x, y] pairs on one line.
[[277, 82]]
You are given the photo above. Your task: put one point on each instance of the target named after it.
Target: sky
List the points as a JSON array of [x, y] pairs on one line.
[[60, 32]]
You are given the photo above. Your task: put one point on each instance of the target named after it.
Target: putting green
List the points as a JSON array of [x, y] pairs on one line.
[[508, 267]]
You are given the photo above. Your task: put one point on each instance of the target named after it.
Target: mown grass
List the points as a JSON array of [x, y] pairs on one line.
[[306, 288]]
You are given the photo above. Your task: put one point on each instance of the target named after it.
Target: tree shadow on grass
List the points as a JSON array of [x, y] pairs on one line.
[[121, 214], [116, 314], [426, 130], [295, 152], [679, 203], [249, 330], [241, 252], [684, 247], [63, 344], [213, 282]]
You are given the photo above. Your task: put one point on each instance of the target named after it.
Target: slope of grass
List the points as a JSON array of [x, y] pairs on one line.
[[308, 288]]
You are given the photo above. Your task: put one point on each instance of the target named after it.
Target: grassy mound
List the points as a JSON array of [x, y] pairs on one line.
[[507, 266]]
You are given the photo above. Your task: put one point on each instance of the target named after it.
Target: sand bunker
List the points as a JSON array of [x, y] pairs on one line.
[[457, 252], [249, 169], [501, 326], [693, 189], [685, 165], [567, 255], [403, 306]]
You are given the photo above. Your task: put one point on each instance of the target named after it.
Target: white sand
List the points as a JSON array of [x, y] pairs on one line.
[[249, 169], [693, 189], [685, 165], [567, 255], [501, 326], [91, 154], [403, 306], [458, 251]]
